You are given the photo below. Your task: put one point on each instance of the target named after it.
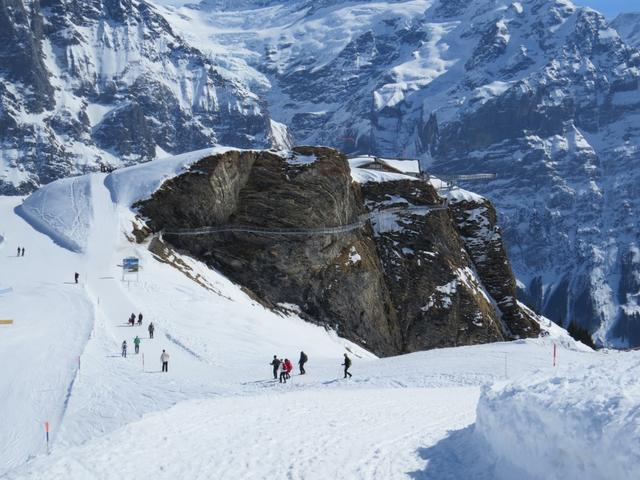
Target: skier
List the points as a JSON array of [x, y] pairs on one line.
[[303, 359], [288, 368], [22, 255], [283, 372], [139, 319], [136, 343], [151, 329], [132, 319], [18, 252], [347, 365], [164, 358], [77, 276], [124, 349], [276, 364]]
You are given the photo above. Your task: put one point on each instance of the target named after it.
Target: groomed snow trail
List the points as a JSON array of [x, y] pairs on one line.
[[302, 435]]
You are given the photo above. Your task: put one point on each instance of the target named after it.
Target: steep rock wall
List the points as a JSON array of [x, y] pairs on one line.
[[405, 281]]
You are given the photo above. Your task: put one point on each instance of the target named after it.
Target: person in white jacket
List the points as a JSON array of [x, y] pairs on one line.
[[164, 358]]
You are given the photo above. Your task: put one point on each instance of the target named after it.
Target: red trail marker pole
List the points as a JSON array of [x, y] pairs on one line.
[[46, 431]]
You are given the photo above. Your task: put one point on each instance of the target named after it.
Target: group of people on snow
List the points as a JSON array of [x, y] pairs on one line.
[[164, 358], [282, 368], [106, 168], [132, 320], [20, 252]]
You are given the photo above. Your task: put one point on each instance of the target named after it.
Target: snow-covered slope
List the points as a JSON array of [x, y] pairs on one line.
[[112, 416], [62, 353], [585, 423]]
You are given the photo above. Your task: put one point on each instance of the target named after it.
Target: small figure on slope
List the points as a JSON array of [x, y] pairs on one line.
[[151, 329], [164, 358], [283, 371], [346, 365], [139, 319], [136, 344], [288, 368], [303, 359], [124, 349], [132, 319], [275, 363], [77, 276]]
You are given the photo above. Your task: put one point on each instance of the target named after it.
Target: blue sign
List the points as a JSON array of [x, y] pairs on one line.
[[130, 264]]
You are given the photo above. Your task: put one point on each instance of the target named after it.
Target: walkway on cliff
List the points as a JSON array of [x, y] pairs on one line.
[[334, 230]]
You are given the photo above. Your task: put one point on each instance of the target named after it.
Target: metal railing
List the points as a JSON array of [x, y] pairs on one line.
[[335, 230]]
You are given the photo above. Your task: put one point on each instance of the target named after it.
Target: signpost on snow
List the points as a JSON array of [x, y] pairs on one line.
[[130, 265], [554, 354]]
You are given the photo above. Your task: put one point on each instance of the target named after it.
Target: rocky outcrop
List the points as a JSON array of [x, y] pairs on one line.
[[403, 282], [476, 221], [439, 299]]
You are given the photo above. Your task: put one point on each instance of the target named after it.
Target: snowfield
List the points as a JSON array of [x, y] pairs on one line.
[[480, 412], [586, 424]]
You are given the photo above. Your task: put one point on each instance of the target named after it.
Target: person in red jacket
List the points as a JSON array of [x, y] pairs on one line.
[[283, 372], [288, 367]]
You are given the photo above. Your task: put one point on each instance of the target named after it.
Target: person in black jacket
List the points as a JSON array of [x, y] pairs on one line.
[[275, 363], [346, 365], [303, 359]]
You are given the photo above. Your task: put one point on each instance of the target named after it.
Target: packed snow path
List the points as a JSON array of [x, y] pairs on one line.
[[217, 413]]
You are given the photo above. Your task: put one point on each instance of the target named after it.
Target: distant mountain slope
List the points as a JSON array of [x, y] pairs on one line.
[[628, 26], [108, 81]]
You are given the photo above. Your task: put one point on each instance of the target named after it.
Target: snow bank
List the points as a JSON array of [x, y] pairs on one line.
[[581, 424], [62, 210], [129, 185]]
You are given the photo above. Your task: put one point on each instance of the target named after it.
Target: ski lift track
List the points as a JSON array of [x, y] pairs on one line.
[[360, 223]]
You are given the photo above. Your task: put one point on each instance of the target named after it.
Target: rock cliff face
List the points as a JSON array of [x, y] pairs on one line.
[[401, 283]]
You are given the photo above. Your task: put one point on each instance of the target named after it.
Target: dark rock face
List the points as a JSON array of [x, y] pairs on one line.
[[439, 298], [402, 284], [476, 221]]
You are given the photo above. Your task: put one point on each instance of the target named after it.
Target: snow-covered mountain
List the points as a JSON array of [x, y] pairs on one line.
[[108, 81], [541, 92], [628, 26]]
